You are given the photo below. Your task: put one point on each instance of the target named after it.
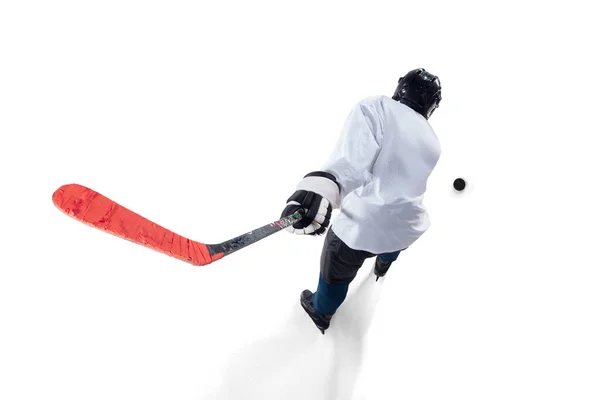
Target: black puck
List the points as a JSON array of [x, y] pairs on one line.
[[459, 184]]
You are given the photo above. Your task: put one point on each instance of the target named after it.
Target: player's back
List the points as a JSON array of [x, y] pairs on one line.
[[409, 151], [386, 213]]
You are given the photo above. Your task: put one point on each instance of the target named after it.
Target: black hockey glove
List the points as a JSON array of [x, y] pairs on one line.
[[318, 194]]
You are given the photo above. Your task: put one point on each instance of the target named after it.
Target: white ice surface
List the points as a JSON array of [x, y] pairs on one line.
[[203, 116], [298, 362]]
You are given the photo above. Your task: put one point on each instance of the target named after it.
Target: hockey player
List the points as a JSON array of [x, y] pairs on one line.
[[376, 176]]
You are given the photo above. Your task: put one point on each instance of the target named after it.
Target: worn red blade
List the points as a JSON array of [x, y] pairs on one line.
[[92, 208]]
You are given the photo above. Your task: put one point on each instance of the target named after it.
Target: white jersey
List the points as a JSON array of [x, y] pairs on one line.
[[382, 161]]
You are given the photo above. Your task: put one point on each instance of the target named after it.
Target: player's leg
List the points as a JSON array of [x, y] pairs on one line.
[[339, 266], [383, 262]]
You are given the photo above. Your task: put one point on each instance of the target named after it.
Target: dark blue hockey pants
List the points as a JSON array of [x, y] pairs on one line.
[[339, 266]]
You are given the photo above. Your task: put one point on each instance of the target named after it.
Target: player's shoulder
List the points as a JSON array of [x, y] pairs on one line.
[[374, 101], [376, 104]]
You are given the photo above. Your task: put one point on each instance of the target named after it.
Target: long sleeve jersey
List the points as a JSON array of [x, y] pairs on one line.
[[382, 161]]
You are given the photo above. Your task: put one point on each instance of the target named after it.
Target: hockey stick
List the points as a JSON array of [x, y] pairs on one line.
[[93, 209]]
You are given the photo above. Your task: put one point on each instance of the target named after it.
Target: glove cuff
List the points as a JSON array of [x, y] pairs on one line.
[[323, 184]]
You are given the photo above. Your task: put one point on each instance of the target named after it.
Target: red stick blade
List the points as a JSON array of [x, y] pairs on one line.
[[93, 209]]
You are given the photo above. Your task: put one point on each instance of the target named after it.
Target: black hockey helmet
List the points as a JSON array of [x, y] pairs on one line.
[[419, 90]]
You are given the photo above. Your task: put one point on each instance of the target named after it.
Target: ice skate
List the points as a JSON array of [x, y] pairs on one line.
[[381, 268], [321, 321]]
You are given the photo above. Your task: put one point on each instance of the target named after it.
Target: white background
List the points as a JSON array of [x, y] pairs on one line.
[[203, 116]]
